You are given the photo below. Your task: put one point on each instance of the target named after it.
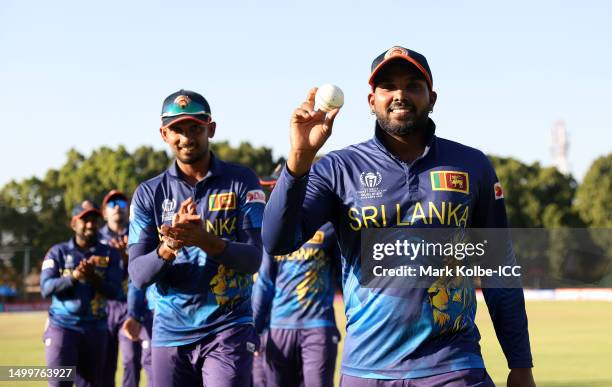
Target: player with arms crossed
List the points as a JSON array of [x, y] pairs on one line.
[[393, 340], [208, 215]]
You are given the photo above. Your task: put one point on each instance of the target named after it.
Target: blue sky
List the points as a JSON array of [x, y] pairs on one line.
[[83, 74]]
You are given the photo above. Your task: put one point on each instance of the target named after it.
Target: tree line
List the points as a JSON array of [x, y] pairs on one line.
[[34, 212]]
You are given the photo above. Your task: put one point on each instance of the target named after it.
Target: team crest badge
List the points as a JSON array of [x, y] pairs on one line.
[[182, 101], [395, 51], [87, 205], [450, 181]]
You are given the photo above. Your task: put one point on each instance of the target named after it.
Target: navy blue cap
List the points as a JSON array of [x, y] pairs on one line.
[[185, 105], [84, 208], [399, 52]]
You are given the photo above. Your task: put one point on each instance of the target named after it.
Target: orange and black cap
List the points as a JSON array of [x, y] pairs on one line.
[[397, 52], [269, 181], [84, 208], [185, 105]]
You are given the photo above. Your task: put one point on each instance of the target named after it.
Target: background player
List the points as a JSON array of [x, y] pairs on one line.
[[412, 335], [79, 275], [115, 234], [210, 247], [293, 298]]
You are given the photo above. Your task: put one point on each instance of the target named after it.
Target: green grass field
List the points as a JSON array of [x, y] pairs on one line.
[[571, 343]]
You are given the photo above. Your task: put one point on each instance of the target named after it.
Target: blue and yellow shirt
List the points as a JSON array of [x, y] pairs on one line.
[[402, 333], [104, 236], [195, 296], [296, 291], [74, 304]]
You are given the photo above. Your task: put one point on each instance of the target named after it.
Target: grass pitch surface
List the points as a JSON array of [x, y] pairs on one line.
[[571, 343]]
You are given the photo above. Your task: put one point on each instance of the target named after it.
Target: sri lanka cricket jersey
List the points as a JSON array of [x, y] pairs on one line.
[[296, 290], [75, 304], [105, 236], [196, 296], [402, 333], [135, 298]]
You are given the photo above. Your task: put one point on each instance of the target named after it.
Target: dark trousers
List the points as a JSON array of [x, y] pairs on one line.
[[134, 354], [301, 357], [473, 377], [221, 360], [85, 350]]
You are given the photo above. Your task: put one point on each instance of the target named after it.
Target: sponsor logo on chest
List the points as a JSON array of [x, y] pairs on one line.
[[256, 196], [499, 192]]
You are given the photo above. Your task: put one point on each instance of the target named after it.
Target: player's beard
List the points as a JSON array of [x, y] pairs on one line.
[[89, 236], [191, 159], [405, 128]]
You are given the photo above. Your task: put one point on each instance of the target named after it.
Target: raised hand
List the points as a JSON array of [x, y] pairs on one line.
[[79, 273], [89, 269], [120, 244], [86, 272], [309, 131], [188, 230]]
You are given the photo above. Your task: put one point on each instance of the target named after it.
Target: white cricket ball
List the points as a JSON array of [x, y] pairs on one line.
[[328, 97]]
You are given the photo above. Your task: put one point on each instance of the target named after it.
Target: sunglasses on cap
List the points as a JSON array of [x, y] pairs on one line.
[[117, 202], [193, 109]]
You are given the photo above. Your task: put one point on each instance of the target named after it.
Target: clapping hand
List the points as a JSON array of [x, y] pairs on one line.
[[188, 230]]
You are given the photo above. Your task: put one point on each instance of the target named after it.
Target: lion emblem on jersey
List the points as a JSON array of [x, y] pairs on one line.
[[451, 304], [230, 287]]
